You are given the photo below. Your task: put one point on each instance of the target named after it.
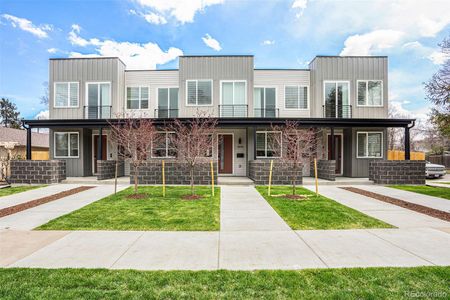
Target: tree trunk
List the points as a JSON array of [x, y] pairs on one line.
[[192, 180], [135, 179]]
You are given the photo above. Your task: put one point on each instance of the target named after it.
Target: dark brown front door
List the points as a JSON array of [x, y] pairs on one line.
[[337, 151], [225, 153], [96, 148]]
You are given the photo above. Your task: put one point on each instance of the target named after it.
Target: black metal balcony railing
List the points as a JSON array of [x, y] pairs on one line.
[[269, 112], [337, 111], [97, 112], [164, 113], [233, 110]]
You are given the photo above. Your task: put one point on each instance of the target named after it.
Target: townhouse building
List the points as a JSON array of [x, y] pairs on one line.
[[345, 97]]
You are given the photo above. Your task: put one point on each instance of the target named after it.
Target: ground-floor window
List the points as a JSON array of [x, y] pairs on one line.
[[369, 144], [162, 145], [66, 144], [268, 144]]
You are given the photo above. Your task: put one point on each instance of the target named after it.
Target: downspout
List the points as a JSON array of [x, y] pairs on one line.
[[407, 140]]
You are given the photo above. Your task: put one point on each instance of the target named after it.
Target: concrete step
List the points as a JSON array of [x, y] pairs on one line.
[[232, 180]]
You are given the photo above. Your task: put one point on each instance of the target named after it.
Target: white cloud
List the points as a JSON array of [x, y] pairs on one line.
[[211, 42], [433, 54], [182, 10], [300, 6], [52, 50], [134, 55], [76, 40], [42, 115], [155, 18], [151, 17], [26, 25], [268, 42], [368, 43]]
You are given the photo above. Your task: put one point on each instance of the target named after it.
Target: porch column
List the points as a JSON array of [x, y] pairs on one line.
[[254, 143], [332, 143], [29, 143], [99, 144], [407, 146]]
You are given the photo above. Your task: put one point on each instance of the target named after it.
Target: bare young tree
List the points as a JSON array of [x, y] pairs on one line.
[[133, 137], [193, 141], [437, 91], [299, 145]]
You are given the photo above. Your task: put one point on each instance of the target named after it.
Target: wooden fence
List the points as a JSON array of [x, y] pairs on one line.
[[400, 155], [440, 159], [39, 154]]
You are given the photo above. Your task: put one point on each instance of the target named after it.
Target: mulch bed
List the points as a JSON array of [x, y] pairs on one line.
[[23, 206], [192, 197], [137, 196], [412, 206]]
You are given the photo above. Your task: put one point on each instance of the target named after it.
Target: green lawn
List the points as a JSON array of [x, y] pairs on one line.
[[117, 212], [370, 283], [316, 212], [441, 192], [18, 189]]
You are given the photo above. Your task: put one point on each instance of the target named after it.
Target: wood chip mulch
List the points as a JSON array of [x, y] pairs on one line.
[[23, 206], [412, 206]]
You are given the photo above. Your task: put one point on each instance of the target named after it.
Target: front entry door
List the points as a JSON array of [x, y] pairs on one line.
[[337, 152], [225, 153], [96, 148]]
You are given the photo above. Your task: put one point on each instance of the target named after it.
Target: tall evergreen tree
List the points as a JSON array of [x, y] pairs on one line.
[[9, 115]]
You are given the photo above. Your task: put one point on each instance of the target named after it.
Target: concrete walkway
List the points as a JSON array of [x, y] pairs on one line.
[[417, 198], [389, 213], [242, 208], [14, 199], [36, 216], [252, 237]]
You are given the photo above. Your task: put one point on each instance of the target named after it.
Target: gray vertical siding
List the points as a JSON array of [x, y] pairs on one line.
[[349, 69], [360, 166], [83, 70], [216, 68], [75, 166]]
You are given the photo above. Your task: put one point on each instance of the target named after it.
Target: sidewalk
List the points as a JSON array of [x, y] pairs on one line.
[[252, 237], [14, 199], [36, 216], [242, 208], [389, 213], [417, 198]]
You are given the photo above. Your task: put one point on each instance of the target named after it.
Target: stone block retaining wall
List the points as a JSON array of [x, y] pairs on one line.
[[37, 171], [326, 169], [281, 174], [106, 169], [175, 172], [397, 171]]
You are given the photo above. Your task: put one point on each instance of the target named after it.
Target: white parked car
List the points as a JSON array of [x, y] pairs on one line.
[[434, 170]]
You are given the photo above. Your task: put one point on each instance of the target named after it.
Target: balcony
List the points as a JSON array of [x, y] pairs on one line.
[[269, 112], [164, 113], [97, 112], [337, 111], [233, 110]]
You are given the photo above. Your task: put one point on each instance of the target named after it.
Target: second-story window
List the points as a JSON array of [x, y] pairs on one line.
[[137, 97], [370, 93], [98, 100], [233, 99], [167, 102], [66, 94], [264, 101], [199, 92], [296, 97]]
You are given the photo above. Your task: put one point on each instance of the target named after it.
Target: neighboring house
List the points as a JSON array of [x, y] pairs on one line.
[[346, 97], [17, 138]]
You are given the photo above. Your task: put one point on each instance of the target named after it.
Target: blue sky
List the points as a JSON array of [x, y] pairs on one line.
[[286, 34]]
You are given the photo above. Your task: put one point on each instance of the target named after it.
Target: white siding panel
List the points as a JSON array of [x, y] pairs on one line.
[[279, 79]]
